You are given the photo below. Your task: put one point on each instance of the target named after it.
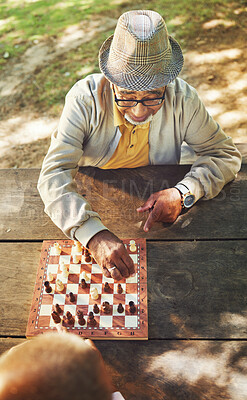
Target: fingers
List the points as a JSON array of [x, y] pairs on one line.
[[106, 272], [150, 221], [149, 204], [129, 263]]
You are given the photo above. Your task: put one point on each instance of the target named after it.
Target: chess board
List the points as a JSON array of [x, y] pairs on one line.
[[115, 325]]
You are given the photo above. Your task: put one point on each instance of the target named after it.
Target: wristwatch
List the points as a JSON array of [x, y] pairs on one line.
[[187, 198]]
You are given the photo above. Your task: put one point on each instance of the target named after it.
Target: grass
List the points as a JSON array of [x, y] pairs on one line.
[[24, 23]]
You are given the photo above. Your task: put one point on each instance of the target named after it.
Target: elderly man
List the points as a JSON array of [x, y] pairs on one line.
[[136, 113]]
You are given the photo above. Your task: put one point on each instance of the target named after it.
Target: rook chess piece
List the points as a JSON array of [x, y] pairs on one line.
[[48, 287], [119, 288], [71, 297], [83, 284], [106, 307], [132, 307], [107, 288], [95, 309], [120, 308], [56, 318], [91, 320], [58, 309]]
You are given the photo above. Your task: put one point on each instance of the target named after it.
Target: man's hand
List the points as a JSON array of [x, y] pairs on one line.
[[110, 253], [164, 206]]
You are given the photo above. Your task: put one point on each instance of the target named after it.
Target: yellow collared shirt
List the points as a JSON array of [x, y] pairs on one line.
[[133, 148]]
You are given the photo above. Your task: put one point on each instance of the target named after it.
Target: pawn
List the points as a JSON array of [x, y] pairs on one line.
[[85, 276], [87, 255], [83, 284], [95, 309], [132, 245], [107, 288], [50, 277], [76, 259], [91, 320], [70, 318], [60, 285], [119, 288], [58, 309], [132, 307], [56, 318], [120, 308], [94, 293], [106, 307], [64, 269], [57, 249], [71, 297], [48, 287], [81, 319]]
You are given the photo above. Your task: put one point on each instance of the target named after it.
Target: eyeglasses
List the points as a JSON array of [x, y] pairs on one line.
[[146, 102]]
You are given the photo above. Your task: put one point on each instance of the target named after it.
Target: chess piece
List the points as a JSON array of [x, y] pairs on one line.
[[87, 256], [58, 309], [64, 269], [95, 309], [57, 249], [77, 247], [132, 245], [83, 284], [71, 297], [70, 318], [81, 319], [132, 307], [119, 288], [120, 308], [106, 307], [48, 287], [76, 259], [107, 288], [91, 320], [60, 285], [85, 276], [56, 318], [50, 277], [94, 293]]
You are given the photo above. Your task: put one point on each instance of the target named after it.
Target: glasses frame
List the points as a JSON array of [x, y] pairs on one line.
[[139, 101]]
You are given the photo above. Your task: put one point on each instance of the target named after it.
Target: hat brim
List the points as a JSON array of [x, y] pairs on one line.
[[140, 78]]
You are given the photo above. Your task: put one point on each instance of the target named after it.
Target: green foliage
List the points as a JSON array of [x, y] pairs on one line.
[[26, 22]]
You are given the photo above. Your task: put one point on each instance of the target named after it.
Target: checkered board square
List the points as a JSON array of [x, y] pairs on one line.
[[113, 325]]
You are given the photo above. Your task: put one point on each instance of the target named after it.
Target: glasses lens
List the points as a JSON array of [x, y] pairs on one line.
[[124, 103], [154, 102]]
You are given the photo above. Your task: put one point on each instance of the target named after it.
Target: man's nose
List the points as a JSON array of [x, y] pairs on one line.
[[139, 110]]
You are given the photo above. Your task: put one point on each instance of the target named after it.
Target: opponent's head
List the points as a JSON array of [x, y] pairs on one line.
[[53, 366]]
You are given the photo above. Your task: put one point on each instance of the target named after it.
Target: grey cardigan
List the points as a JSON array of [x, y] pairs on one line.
[[86, 136]]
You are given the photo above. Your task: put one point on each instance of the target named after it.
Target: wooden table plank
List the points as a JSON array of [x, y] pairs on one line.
[[116, 194], [195, 289], [177, 370]]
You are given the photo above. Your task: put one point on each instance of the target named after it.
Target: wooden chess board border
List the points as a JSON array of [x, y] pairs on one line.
[[136, 333]]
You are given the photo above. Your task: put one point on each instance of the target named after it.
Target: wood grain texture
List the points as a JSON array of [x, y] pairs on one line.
[[116, 194], [174, 370], [195, 289]]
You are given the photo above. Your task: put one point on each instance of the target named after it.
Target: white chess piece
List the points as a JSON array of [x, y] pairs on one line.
[[50, 277], [76, 247], [64, 268], [57, 249], [76, 259], [85, 276], [94, 293], [132, 245], [60, 285]]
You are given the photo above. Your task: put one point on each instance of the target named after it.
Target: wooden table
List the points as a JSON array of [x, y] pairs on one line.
[[197, 281]]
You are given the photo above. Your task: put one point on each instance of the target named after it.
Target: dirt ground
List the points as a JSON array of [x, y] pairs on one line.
[[215, 64]]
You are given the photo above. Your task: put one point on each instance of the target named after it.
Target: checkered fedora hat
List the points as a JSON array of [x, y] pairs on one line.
[[140, 55]]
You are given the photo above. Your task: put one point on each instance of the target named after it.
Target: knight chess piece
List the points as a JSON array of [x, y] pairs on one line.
[[106, 307]]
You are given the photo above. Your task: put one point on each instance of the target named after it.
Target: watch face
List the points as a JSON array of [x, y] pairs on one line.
[[189, 200]]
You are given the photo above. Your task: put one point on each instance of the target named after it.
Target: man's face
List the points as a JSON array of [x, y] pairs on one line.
[[140, 113]]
